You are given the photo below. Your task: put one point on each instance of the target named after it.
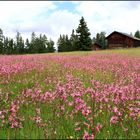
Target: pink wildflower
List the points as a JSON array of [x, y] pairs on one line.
[[87, 136], [113, 120], [98, 127]]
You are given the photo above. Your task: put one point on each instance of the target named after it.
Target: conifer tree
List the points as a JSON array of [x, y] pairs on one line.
[[100, 39], [50, 46], [74, 41], [63, 43], [59, 44], [84, 40], [19, 44], [11, 46], [32, 48], [5, 45], [27, 45], [1, 41], [137, 34]]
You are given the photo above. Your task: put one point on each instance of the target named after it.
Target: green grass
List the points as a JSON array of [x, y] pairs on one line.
[[64, 126], [127, 51]]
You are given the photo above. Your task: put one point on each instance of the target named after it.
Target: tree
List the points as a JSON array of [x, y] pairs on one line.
[[40, 43], [1, 40], [5, 46], [27, 45], [84, 40], [74, 41], [63, 43], [100, 39], [32, 43], [11, 46], [44, 41], [19, 44], [33, 37], [137, 34], [16, 45], [50, 46], [67, 43], [60, 44]]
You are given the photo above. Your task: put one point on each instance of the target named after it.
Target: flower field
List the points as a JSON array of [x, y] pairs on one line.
[[84, 95]]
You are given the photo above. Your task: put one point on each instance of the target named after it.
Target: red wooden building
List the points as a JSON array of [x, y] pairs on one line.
[[96, 46], [122, 40]]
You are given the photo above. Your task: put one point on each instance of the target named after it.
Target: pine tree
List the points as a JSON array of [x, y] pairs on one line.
[[50, 46], [45, 40], [100, 39], [27, 45], [74, 41], [19, 44], [41, 44], [44, 43], [16, 47], [67, 44], [84, 42], [137, 34], [64, 44], [32, 48], [59, 44], [64, 47], [33, 37], [11, 46], [5, 45], [1, 41]]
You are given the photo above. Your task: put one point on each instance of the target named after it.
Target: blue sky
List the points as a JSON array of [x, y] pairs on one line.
[[70, 6], [60, 17]]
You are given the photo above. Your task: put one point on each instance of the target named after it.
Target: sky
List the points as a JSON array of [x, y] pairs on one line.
[[60, 17]]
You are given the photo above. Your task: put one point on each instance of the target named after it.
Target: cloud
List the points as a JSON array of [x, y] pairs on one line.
[[131, 4], [40, 17], [16, 14], [110, 15], [54, 18], [61, 22]]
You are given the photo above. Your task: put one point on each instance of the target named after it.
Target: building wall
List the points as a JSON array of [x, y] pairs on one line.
[[117, 40], [137, 43], [95, 47], [129, 42]]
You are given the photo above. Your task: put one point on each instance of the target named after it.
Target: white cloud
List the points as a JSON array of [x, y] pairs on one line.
[[61, 22], [27, 17], [110, 15], [16, 14], [45, 17]]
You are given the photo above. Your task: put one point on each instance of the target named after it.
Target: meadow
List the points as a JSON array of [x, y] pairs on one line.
[[76, 95]]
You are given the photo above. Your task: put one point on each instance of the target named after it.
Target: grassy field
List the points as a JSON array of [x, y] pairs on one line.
[[75, 95]]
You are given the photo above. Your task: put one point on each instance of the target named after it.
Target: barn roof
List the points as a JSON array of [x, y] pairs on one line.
[[125, 34], [100, 46]]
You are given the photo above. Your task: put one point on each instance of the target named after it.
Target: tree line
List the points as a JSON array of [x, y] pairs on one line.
[[79, 40], [37, 44]]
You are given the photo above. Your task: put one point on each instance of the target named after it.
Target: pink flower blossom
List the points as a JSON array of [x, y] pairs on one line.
[[114, 119], [98, 127], [88, 136]]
